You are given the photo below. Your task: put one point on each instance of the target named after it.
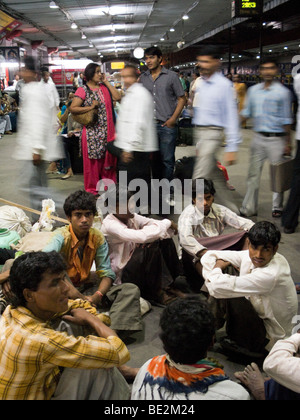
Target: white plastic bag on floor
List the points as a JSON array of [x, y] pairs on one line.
[[13, 218], [45, 223]]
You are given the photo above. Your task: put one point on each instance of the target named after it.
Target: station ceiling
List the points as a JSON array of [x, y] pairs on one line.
[[112, 26], [115, 27]]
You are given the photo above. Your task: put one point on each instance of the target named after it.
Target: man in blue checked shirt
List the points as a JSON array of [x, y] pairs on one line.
[[270, 105]]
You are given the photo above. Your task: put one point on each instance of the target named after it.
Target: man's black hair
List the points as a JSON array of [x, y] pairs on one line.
[[153, 51], [187, 330], [28, 270], [264, 233], [80, 200], [210, 51], [209, 188], [269, 61], [30, 64]]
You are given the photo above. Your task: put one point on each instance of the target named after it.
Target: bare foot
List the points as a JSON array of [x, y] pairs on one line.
[[128, 372], [252, 379]]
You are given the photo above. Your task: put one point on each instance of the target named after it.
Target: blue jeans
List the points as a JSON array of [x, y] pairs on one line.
[[163, 161]]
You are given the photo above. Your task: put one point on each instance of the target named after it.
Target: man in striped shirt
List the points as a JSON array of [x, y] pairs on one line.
[[39, 362]]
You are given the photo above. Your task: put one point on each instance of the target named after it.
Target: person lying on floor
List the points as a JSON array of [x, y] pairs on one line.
[[261, 300], [201, 226], [40, 361], [283, 367], [81, 246], [185, 372], [143, 252]]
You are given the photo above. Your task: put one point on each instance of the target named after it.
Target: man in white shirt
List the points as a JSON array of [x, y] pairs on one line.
[[290, 215], [200, 228], [215, 113], [264, 280], [135, 131], [34, 126], [283, 367]]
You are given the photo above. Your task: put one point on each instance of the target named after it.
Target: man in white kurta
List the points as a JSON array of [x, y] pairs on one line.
[[135, 130], [270, 289], [34, 125]]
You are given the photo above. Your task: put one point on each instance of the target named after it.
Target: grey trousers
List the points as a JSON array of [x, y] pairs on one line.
[[33, 181], [208, 143], [85, 384], [123, 303], [262, 148]]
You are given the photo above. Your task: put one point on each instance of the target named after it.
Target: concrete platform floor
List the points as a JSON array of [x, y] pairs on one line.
[[146, 345]]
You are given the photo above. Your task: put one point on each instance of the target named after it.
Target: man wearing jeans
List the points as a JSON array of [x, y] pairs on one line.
[[169, 101], [215, 112], [270, 105]]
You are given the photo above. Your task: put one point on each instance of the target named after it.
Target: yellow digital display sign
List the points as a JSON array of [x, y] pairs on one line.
[[246, 8], [117, 65]]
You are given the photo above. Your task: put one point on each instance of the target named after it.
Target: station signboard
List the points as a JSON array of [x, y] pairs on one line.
[[246, 8]]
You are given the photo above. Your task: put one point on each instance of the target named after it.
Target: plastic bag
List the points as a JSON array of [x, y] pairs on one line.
[[13, 218], [45, 223]]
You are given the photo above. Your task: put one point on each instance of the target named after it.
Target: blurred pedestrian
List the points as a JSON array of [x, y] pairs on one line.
[[291, 213], [34, 126], [215, 113], [270, 105], [135, 129]]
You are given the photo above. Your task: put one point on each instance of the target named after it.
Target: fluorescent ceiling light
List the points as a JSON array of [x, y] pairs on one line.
[[53, 5], [110, 11]]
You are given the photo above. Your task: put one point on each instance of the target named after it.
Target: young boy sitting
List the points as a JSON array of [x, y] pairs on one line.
[[201, 227], [39, 361], [81, 245], [267, 291], [142, 251], [185, 372]]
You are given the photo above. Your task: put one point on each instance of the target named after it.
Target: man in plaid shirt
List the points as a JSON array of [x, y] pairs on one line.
[[38, 359]]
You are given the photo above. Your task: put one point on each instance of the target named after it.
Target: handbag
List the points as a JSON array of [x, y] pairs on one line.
[[282, 175], [89, 118]]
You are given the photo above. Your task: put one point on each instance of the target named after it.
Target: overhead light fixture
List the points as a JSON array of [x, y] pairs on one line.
[[139, 53], [53, 5], [172, 30], [74, 26], [91, 46], [162, 39], [185, 17], [83, 36]]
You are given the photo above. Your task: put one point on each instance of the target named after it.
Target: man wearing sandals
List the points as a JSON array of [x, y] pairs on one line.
[[270, 105]]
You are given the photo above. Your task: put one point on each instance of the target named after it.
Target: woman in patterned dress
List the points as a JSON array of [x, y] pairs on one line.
[[99, 94]]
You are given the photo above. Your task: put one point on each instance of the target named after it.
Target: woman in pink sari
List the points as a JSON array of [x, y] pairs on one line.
[[99, 94]]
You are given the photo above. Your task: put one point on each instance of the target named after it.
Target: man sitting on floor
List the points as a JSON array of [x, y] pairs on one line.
[[200, 232], [185, 372], [261, 301], [39, 361], [283, 367], [143, 252], [81, 245]]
